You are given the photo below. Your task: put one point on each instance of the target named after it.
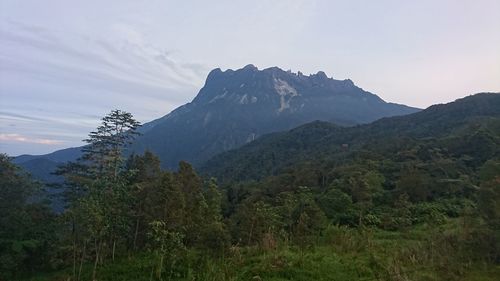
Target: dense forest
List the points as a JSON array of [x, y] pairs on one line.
[[415, 197]]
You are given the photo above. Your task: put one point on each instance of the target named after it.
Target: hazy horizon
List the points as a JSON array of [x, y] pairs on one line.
[[64, 65]]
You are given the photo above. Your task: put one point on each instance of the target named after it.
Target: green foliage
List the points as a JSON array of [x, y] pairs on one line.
[[103, 154], [308, 219], [167, 247], [253, 220], [26, 226], [408, 198], [489, 206], [345, 254]]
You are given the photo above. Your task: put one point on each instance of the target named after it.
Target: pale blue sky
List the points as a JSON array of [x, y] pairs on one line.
[[64, 64]]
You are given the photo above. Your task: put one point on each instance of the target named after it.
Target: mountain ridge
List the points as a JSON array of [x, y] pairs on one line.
[[235, 107]]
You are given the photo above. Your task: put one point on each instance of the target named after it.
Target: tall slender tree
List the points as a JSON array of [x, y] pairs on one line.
[[104, 151], [104, 194]]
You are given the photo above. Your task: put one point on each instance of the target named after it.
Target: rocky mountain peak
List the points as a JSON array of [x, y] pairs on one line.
[[250, 67], [249, 85]]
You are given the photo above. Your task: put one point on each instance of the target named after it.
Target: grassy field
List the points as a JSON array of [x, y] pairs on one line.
[[344, 254]]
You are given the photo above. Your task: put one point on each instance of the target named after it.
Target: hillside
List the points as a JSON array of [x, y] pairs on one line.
[[463, 125], [403, 198]]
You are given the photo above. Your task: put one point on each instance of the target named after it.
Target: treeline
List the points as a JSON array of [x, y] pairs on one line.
[[121, 207]]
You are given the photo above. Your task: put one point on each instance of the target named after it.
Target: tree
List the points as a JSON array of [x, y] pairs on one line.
[[104, 152], [167, 246], [309, 220], [214, 234], [402, 214], [489, 203], [26, 225], [214, 200], [105, 193], [191, 187], [144, 177], [143, 168], [415, 184], [253, 220], [337, 206]]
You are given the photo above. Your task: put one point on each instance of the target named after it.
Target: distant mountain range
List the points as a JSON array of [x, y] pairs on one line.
[[236, 107], [465, 130]]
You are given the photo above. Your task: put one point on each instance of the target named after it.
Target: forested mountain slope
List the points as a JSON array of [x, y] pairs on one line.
[[466, 127]]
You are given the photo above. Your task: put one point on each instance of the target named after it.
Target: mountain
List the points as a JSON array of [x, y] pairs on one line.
[[468, 126], [235, 107], [42, 166], [63, 155]]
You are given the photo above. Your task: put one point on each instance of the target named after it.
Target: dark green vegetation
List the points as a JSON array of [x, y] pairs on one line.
[[466, 128], [404, 198], [26, 237]]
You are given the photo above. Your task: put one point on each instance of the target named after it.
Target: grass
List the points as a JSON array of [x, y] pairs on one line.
[[344, 254]]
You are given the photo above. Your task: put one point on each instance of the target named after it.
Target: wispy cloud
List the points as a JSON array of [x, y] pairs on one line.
[[123, 59], [16, 116], [21, 138], [56, 86]]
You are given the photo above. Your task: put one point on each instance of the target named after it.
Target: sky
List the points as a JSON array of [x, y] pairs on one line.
[[65, 64]]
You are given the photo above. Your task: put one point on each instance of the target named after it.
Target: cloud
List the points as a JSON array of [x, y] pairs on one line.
[[120, 58], [56, 85], [21, 138], [15, 116]]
